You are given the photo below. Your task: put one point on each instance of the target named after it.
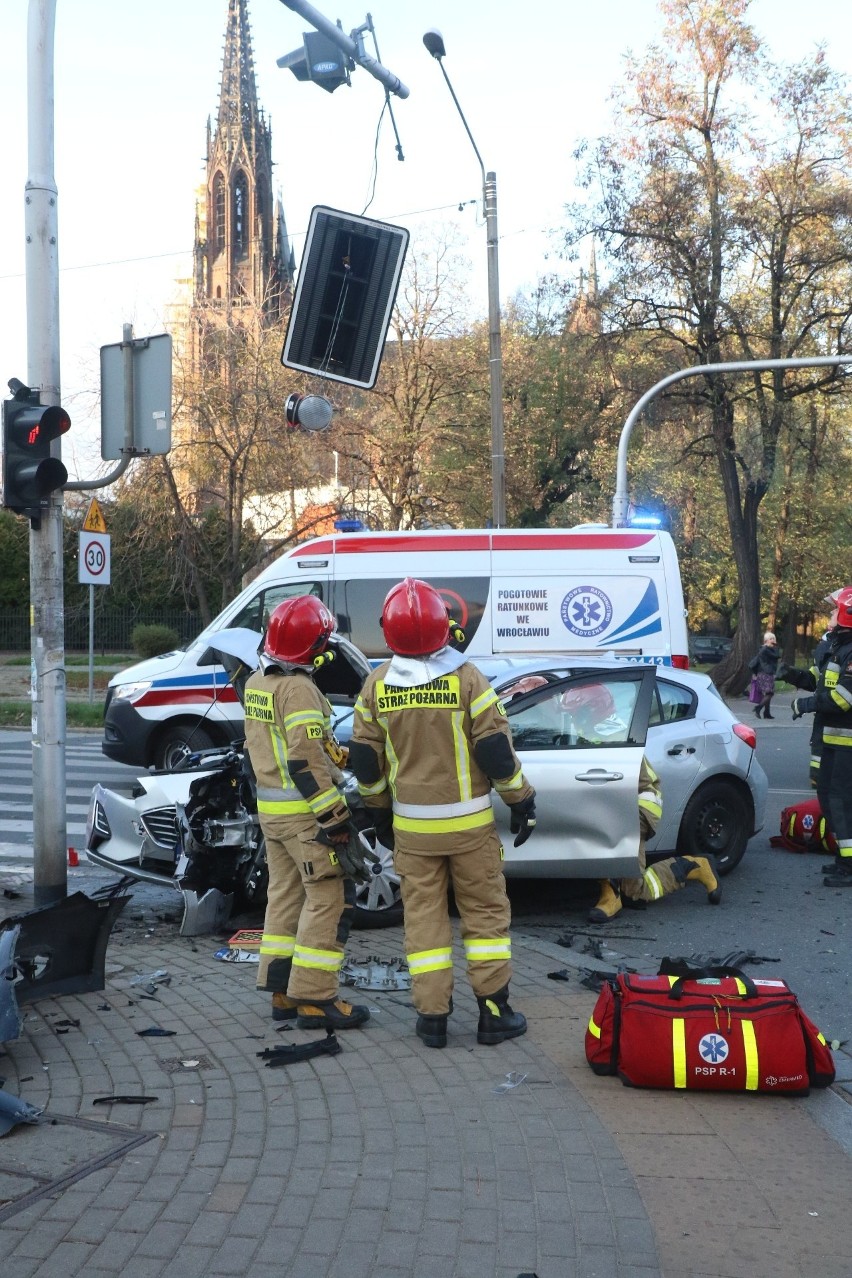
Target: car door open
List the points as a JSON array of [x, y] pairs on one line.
[[581, 740]]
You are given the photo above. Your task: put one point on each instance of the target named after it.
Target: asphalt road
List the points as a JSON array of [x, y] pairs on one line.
[[774, 905]]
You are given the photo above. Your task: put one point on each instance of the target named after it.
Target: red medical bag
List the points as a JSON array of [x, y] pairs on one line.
[[804, 829], [715, 1030]]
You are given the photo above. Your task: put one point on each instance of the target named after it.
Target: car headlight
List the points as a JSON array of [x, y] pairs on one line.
[[130, 691]]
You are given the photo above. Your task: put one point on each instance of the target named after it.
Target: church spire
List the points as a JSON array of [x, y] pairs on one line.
[[238, 110], [239, 257]]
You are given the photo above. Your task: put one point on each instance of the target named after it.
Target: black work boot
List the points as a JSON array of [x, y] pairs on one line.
[[432, 1030], [335, 1014], [497, 1021], [841, 875]]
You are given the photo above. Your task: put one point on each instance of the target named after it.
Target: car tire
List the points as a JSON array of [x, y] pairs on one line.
[[177, 742], [379, 902], [717, 821]]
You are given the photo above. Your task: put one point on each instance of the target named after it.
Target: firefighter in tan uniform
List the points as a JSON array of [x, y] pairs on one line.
[[305, 822], [593, 710], [430, 739]]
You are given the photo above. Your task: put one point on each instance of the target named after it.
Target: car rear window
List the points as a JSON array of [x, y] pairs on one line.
[[671, 703]]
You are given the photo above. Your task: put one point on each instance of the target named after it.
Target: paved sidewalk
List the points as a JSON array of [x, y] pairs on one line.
[[389, 1160]]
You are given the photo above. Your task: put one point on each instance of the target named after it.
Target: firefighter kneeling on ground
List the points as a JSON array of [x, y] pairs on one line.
[[593, 711], [310, 842], [430, 739]]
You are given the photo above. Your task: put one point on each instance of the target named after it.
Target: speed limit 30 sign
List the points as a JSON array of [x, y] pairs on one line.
[[93, 561]]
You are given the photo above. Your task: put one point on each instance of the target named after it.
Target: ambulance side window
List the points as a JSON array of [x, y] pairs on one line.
[[358, 607], [255, 615]]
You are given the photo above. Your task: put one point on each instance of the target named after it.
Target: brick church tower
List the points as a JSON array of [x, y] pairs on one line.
[[242, 254]]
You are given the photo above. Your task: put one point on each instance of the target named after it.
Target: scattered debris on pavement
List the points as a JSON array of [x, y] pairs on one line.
[[124, 1100], [373, 973], [287, 1054], [513, 1080]]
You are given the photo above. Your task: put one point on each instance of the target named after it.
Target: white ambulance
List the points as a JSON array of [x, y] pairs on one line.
[[590, 591]]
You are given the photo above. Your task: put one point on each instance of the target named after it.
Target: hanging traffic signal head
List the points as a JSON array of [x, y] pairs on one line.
[[319, 60], [30, 473]]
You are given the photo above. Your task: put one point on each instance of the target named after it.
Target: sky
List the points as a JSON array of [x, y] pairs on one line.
[[136, 83]]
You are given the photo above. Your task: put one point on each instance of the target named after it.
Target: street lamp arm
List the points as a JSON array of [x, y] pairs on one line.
[[463, 120], [620, 500]]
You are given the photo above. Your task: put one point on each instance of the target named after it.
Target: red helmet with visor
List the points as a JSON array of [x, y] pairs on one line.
[[589, 704]]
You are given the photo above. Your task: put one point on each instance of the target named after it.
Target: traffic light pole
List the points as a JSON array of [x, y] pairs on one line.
[[47, 616], [621, 500]]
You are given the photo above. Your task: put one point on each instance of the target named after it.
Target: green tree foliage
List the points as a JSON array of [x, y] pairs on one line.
[[15, 560], [729, 233]]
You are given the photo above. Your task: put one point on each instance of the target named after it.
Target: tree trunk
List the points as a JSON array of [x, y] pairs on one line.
[[731, 674]]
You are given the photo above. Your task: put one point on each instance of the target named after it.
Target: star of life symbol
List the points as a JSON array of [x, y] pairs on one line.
[[586, 611], [808, 821], [713, 1049]]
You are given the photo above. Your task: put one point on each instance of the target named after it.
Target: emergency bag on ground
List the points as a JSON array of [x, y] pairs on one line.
[[716, 1030], [804, 829]]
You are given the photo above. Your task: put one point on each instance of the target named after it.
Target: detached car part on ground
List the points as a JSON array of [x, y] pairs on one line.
[[197, 830], [714, 790], [195, 827]]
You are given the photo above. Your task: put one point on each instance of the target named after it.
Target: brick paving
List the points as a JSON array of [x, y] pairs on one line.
[[391, 1160]]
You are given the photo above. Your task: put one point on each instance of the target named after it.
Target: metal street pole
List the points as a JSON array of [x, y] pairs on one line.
[[620, 501], [434, 42], [47, 616]]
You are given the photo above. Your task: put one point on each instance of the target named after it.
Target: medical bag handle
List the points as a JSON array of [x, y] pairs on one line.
[[684, 972]]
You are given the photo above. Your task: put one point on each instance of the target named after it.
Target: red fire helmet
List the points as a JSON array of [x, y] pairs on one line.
[[298, 630], [843, 604], [590, 704], [414, 619]]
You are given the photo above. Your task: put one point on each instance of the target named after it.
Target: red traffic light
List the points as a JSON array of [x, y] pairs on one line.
[[30, 472], [38, 426]]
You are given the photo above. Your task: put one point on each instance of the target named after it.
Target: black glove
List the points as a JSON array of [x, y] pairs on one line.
[[354, 856], [522, 819], [383, 825], [803, 705]]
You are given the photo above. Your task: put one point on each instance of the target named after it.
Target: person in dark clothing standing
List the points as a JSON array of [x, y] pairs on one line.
[[833, 701], [763, 667], [807, 680]]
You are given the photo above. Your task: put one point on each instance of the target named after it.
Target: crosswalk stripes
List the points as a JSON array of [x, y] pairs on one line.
[[85, 765]]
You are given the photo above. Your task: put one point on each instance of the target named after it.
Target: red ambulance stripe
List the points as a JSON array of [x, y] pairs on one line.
[[474, 541], [185, 696]]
